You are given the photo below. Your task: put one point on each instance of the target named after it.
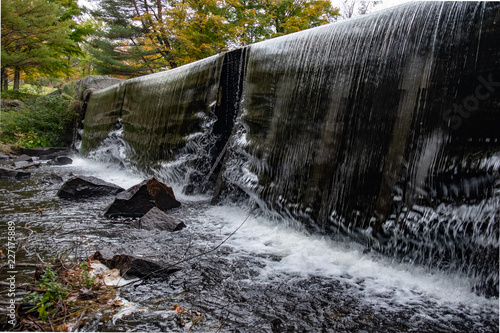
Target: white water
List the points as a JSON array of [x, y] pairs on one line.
[[317, 255], [375, 280]]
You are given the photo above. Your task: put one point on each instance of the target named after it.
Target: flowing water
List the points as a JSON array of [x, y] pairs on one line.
[[383, 128], [270, 276], [363, 158]]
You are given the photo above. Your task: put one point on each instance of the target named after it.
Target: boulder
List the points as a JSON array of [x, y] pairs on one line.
[[4, 157], [139, 199], [93, 82], [86, 187], [156, 219], [13, 174], [132, 266], [62, 160], [14, 104]]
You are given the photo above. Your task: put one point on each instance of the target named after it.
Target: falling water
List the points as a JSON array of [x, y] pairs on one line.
[[382, 128]]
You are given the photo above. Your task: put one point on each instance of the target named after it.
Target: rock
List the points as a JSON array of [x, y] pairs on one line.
[[139, 199], [13, 174], [44, 151], [86, 187], [26, 165], [4, 157], [156, 219], [93, 82], [132, 266], [22, 161], [62, 160], [20, 164], [52, 179], [9, 149], [23, 158], [14, 104], [86, 93]]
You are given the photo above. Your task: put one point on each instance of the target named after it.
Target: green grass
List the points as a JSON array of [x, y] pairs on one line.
[[33, 89]]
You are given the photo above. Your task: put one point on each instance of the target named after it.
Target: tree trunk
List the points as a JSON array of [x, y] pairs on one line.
[[5, 79], [17, 78]]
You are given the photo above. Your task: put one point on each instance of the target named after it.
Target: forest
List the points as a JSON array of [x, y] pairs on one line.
[[127, 38], [47, 44]]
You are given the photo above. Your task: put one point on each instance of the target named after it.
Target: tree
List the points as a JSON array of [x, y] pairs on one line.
[[287, 16], [129, 43], [38, 36], [257, 20], [144, 36], [352, 8], [250, 21], [197, 29]]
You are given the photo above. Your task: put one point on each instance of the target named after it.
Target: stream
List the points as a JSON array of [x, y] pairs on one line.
[[270, 276]]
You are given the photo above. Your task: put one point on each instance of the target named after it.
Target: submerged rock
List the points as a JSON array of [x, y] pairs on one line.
[[6, 173], [157, 219], [85, 187], [132, 266], [139, 199]]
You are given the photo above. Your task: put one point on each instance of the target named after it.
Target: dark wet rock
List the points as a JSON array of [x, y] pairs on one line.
[[132, 266], [6, 173], [62, 160], [86, 187], [86, 93], [156, 219], [44, 151], [139, 199], [52, 179]]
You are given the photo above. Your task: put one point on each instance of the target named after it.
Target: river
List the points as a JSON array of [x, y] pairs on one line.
[[270, 276]]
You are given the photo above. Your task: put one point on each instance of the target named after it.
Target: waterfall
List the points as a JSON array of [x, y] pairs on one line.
[[383, 128]]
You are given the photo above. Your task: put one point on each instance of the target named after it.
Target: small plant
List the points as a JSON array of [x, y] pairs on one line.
[[87, 280], [63, 292], [52, 293]]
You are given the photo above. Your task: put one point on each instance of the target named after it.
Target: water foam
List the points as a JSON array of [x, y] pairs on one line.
[[382, 281]]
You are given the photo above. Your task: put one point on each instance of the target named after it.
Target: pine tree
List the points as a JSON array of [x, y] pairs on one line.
[[146, 36], [130, 44], [38, 36]]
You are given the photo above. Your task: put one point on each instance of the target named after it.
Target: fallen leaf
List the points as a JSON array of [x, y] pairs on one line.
[[178, 309]]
